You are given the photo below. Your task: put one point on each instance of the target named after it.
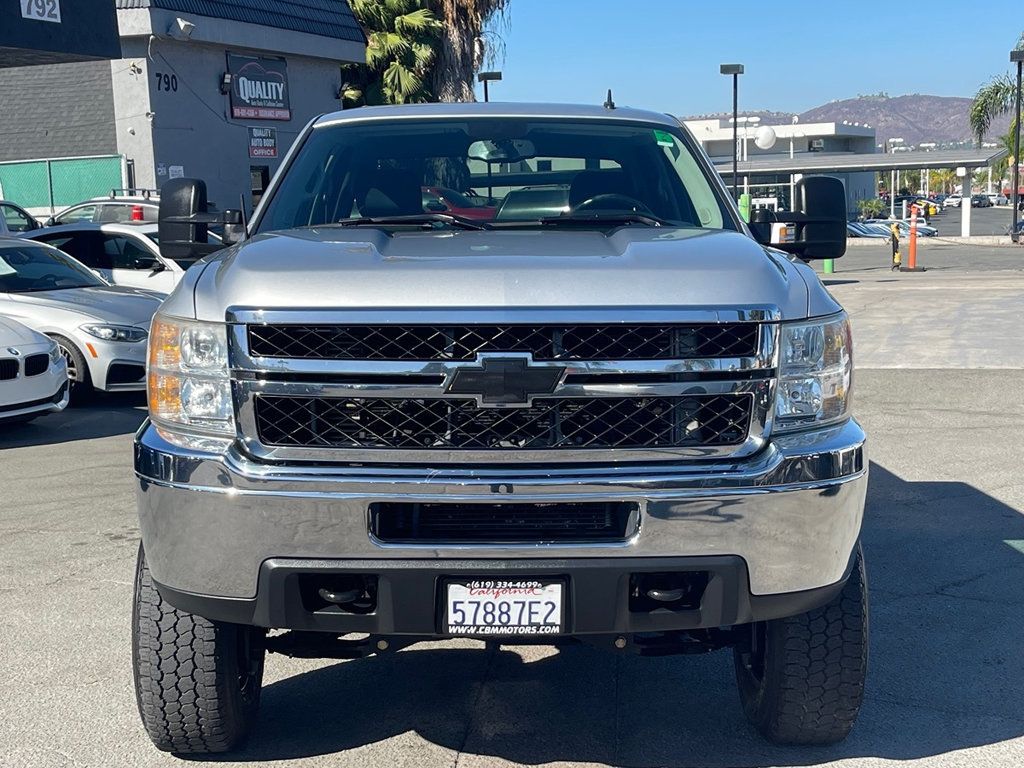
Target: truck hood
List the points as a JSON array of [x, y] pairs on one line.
[[338, 268]]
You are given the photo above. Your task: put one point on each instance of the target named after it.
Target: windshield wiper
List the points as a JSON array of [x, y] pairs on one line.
[[413, 219], [609, 219]]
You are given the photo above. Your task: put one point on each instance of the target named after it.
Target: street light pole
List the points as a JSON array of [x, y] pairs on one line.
[[1017, 56], [735, 70], [485, 78]]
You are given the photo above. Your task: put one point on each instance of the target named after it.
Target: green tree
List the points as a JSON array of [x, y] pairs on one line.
[[403, 37], [468, 40], [993, 99], [942, 180], [872, 208], [910, 182]]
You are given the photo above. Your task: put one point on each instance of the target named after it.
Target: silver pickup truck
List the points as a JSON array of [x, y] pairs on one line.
[[584, 402]]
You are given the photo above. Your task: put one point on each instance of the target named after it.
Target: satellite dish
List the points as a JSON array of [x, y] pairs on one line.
[[765, 137]]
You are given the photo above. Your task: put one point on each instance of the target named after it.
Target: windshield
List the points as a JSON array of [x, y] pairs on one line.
[[29, 268], [511, 172]]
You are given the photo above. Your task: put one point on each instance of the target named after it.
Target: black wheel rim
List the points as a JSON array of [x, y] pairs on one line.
[[69, 358]]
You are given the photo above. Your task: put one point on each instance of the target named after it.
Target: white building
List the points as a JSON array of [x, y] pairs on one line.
[[793, 141]]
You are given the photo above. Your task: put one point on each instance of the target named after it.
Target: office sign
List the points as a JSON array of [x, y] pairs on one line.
[[259, 88], [262, 142]]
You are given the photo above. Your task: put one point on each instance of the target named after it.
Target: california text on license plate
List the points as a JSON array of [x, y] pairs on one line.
[[495, 607]]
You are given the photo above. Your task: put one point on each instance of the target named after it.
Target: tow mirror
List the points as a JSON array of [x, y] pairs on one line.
[[816, 227], [183, 220]]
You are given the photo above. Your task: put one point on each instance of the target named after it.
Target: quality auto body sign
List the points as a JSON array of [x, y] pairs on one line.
[[259, 88]]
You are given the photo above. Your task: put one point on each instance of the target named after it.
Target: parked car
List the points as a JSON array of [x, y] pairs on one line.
[[441, 199], [101, 329], [953, 201], [980, 201], [923, 230], [119, 206], [370, 418], [861, 229], [997, 198], [33, 374], [14, 219], [122, 254]]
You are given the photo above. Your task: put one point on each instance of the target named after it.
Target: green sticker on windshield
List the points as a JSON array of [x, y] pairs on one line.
[[664, 139]]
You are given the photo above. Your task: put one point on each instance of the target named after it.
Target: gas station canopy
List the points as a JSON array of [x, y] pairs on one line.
[[57, 31]]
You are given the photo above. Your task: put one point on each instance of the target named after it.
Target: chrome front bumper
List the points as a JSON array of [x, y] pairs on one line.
[[793, 513]]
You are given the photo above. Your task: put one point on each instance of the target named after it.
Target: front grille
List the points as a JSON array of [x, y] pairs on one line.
[[464, 342], [550, 423], [37, 364], [404, 522], [8, 369]]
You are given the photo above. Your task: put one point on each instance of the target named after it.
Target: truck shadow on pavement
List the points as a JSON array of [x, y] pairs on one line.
[[945, 670], [104, 415]]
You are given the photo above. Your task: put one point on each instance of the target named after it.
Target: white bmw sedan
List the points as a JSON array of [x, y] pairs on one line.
[[33, 374], [101, 329]]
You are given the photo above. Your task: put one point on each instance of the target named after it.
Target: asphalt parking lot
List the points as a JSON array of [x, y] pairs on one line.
[[938, 388]]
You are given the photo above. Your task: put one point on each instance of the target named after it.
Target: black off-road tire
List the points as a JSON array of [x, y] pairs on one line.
[[801, 679], [197, 682], [80, 388]]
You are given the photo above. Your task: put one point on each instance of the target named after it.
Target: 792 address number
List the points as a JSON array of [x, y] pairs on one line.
[[41, 10]]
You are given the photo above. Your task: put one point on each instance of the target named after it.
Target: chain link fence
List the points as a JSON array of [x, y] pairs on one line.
[[54, 184]]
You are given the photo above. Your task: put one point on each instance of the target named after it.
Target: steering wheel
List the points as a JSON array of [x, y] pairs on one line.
[[612, 201]]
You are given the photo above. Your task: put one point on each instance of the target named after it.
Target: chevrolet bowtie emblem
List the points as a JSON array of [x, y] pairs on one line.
[[505, 380]]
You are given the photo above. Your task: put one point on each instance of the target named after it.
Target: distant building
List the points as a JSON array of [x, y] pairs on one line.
[[796, 141], [214, 89]]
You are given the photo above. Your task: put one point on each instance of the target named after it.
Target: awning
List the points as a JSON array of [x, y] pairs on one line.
[[851, 162]]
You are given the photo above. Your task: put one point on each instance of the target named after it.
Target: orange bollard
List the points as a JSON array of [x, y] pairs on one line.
[[912, 245], [912, 248]]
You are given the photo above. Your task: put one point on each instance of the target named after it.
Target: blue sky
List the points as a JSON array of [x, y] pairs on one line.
[[664, 54]]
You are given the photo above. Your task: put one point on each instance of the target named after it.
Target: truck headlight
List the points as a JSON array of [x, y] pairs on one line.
[[188, 376], [815, 373]]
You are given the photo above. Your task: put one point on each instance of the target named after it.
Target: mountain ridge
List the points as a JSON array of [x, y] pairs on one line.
[[914, 117]]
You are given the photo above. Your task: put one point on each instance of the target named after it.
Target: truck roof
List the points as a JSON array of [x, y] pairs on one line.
[[495, 109]]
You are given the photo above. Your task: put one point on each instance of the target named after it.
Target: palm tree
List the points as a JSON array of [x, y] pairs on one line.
[[992, 99], [942, 179], [464, 44], [402, 40]]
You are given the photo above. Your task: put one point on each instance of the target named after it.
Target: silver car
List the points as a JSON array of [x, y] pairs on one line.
[[122, 254], [101, 329]]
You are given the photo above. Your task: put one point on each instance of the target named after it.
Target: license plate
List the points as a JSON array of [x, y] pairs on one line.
[[494, 607]]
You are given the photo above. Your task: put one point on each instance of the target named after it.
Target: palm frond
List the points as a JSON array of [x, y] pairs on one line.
[[401, 82], [992, 99], [417, 23]]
